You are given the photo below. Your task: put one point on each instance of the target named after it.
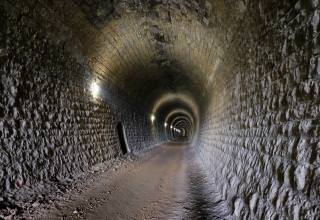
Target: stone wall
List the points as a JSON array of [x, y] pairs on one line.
[[260, 139], [51, 127]]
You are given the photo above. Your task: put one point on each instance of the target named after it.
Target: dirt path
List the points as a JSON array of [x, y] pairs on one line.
[[151, 189]]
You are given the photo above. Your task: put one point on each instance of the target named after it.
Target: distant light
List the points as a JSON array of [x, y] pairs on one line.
[[165, 124], [171, 126], [153, 118], [95, 89]]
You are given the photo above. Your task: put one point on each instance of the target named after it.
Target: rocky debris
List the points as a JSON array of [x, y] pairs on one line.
[[8, 209]]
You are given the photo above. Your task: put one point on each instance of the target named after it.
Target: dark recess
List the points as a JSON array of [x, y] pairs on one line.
[[122, 141]]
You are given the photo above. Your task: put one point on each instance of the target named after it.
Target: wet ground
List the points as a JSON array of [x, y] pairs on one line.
[[166, 184]]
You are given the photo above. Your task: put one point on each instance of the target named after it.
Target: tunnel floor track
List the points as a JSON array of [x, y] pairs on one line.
[[165, 184]]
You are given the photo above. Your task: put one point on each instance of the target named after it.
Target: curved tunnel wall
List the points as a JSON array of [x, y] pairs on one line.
[[52, 127], [251, 69], [259, 139]]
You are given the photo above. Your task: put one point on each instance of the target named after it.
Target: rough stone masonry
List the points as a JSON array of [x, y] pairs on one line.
[[260, 137], [251, 68], [51, 128]]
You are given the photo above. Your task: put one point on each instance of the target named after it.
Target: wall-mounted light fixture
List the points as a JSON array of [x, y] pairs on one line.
[[152, 118], [165, 124], [95, 89]]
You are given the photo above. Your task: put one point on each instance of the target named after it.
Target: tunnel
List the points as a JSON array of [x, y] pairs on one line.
[[159, 109]]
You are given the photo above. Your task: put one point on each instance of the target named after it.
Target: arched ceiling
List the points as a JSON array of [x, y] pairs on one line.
[[150, 48]]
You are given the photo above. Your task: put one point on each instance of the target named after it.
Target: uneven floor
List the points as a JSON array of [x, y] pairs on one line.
[[164, 184]]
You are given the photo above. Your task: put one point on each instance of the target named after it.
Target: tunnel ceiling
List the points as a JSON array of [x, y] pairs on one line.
[[154, 47]]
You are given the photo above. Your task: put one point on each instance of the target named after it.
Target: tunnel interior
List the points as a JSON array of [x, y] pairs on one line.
[[236, 80]]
